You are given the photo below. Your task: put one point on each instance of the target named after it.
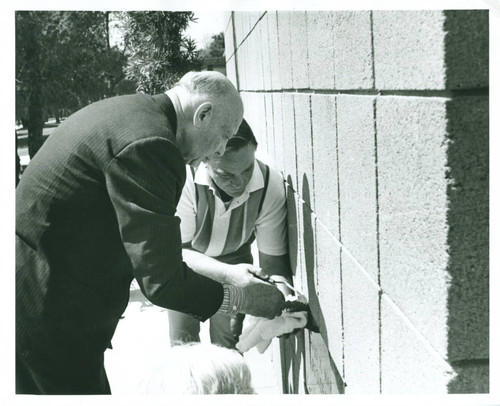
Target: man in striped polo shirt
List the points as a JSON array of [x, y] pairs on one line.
[[227, 203]]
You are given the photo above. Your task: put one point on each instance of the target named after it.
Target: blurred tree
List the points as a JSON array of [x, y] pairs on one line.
[[215, 47], [29, 75], [63, 62], [158, 51]]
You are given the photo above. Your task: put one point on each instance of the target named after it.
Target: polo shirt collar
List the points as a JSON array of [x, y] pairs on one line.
[[256, 182]]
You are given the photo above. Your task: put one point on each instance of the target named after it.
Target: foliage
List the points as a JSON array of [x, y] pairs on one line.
[[215, 48], [158, 51], [63, 62]]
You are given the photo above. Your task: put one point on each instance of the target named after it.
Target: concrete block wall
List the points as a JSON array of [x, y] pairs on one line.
[[378, 122]]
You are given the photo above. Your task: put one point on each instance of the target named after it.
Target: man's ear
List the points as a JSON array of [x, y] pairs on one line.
[[203, 114]]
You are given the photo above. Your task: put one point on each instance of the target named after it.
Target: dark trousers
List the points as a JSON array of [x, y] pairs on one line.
[[62, 377], [224, 330]]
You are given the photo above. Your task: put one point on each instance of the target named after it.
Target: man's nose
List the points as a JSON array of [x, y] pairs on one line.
[[221, 149], [236, 182]]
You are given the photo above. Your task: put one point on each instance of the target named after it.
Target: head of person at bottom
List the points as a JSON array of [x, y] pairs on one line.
[[197, 368], [232, 171], [209, 111]]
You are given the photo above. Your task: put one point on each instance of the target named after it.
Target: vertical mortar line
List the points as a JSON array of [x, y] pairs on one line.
[[291, 46], [334, 56], [307, 57], [377, 214], [377, 227], [235, 54], [295, 148], [262, 58], [372, 49], [272, 126], [340, 238], [278, 38], [316, 282], [265, 121]]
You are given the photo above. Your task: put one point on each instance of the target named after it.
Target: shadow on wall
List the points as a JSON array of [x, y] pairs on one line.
[[307, 351], [468, 197], [468, 242]]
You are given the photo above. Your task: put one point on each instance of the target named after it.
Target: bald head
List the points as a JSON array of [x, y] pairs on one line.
[[214, 87], [211, 112], [213, 84]]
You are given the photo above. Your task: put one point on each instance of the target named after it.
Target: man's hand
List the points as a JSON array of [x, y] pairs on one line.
[[242, 275], [262, 300]]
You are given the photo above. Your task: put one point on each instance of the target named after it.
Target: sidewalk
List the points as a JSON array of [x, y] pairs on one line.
[[142, 336]]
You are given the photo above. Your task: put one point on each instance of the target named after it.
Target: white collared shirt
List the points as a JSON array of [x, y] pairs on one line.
[[269, 227]]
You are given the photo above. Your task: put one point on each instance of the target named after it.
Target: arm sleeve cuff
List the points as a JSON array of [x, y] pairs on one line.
[[231, 302]]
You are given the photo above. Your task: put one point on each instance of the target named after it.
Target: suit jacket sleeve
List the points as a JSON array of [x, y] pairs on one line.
[[144, 183]]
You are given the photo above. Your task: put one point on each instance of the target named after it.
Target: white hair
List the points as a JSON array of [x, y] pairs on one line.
[[196, 368], [209, 83]]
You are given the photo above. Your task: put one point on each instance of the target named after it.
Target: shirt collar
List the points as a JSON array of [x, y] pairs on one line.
[[256, 182]]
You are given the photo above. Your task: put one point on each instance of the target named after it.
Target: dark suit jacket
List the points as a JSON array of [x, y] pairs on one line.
[[95, 208]]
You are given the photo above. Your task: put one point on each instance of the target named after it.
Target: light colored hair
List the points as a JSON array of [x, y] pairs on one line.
[[217, 88], [197, 368], [209, 83]]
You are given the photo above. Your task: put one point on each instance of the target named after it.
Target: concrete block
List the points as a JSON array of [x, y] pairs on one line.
[[414, 254], [230, 49], [307, 252], [293, 354], [298, 31], [266, 56], [433, 204], [229, 39], [303, 138], [360, 298], [466, 48], [243, 96], [325, 161], [241, 62], [409, 364], [254, 60], [268, 101], [279, 162], [258, 118], [472, 377], [409, 49], [305, 249], [253, 19], [289, 151], [231, 71], [285, 49], [358, 200], [321, 374], [353, 50], [467, 173], [320, 40], [272, 25], [245, 24], [249, 67], [239, 28], [293, 206], [250, 112], [327, 306]]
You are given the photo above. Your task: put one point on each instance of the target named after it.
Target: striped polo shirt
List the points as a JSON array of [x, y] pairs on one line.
[[216, 228]]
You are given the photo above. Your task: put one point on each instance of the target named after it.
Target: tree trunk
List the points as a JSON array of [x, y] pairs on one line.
[[35, 99], [106, 21], [35, 121]]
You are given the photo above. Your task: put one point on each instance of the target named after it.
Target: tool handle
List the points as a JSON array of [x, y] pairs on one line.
[[265, 279]]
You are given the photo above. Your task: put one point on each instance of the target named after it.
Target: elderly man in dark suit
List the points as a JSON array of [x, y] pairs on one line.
[[96, 208]]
